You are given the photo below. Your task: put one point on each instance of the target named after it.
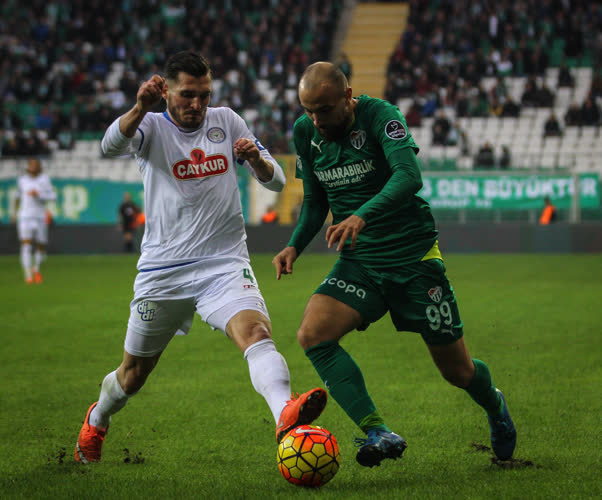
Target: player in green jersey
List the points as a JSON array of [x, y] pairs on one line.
[[357, 159]]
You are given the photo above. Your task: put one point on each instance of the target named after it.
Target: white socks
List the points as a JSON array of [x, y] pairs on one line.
[[26, 260], [111, 400], [39, 257], [269, 374]]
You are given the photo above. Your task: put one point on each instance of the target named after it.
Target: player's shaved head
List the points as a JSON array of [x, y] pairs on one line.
[[326, 97], [34, 166], [322, 73]]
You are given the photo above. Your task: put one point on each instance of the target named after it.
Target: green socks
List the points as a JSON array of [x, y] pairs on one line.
[[345, 382], [482, 390]]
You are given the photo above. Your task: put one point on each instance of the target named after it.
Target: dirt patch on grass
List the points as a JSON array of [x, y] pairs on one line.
[[132, 458], [59, 456], [511, 463]]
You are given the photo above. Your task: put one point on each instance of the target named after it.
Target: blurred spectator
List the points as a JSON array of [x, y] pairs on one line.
[[485, 157], [413, 116], [440, 128], [530, 97], [128, 212], [499, 90], [551, 126], [270, 216], [457, 136], [590, 112], [565, 78], [344, 64], [11, 146], [495, 106], [548, 214], [478, 104], [505, 157], [545, 97], [65, 138], [572, 117], [430, 103], [44, 119], [510, 108]]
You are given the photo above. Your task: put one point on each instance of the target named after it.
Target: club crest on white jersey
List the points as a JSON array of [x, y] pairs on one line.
[[200, 165]]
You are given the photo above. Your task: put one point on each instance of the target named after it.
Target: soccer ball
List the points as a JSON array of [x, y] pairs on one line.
[[308, 455]]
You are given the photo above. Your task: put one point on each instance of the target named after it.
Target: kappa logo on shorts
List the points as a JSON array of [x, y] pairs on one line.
[[147, 310], [436, 294], [348, 288]]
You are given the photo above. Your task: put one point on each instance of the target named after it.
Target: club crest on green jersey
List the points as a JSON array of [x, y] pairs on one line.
[[436, 294], [357, 138], [395, 130]]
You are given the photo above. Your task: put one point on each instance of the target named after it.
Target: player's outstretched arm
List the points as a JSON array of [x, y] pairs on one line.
[[283, 262]]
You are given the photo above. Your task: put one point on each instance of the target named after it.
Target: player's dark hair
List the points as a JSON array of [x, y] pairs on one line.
[[188, 62]]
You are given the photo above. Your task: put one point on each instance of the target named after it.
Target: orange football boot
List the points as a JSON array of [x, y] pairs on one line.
[[89, 442], [37, 277], [301, 410], [29, 281]]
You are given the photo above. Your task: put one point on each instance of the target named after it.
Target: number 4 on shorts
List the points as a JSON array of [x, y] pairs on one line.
[[247, 274]]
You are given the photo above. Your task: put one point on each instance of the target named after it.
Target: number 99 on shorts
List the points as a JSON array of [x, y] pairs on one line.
[[439, 317]]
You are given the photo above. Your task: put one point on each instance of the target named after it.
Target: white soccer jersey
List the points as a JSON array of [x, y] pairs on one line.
[[191, 196], [34, 207]]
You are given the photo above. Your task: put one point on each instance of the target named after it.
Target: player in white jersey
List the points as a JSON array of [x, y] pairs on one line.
[[194, 256], [34, 191]]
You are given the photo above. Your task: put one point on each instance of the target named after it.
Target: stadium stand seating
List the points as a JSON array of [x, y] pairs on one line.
[[511, 43], [63, 61]]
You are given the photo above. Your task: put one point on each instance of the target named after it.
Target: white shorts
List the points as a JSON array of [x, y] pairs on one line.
[[160, 309], [33, 230]]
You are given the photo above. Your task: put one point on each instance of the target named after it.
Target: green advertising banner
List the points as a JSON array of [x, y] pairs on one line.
[[97, 201], [89, 201], [515, 192]]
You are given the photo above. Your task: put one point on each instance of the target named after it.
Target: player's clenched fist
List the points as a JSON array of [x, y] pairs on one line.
[[150, 92], [246, 149]]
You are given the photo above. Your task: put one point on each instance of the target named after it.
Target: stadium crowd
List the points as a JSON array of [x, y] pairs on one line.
[[449, 46], [69, 67]]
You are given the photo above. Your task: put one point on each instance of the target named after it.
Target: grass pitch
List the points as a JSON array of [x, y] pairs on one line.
[[199, 430]]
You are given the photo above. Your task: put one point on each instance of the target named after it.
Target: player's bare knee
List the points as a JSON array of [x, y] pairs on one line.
[[307, 337], [259, 331]]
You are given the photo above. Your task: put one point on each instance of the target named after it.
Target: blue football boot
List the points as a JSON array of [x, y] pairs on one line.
[[377, 446], [503, 432]]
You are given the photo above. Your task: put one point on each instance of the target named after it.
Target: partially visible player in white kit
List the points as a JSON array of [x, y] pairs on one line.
[[194, 253], [34, 191]]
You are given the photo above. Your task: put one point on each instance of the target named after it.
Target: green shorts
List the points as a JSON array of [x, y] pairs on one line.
[[419, 298]]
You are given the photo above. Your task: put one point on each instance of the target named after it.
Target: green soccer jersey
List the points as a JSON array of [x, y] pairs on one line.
[[373, 173]]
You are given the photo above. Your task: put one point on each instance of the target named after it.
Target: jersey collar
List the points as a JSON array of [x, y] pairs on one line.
[[182, 129]]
